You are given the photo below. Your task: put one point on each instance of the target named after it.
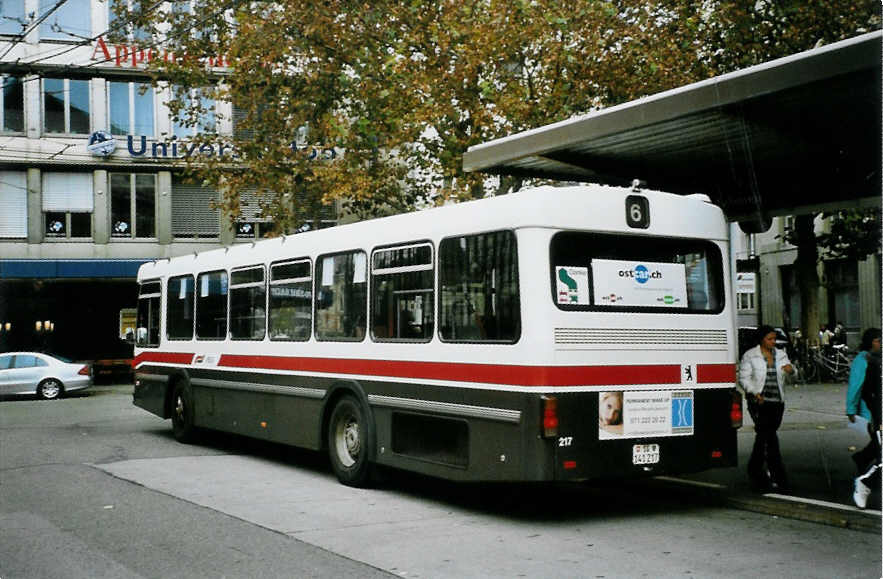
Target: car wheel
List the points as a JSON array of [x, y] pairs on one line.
[[50, 389], [350, 440], [182, 414]]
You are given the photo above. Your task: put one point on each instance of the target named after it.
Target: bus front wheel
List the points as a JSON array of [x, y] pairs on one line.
[[182, 414], [349, 442]]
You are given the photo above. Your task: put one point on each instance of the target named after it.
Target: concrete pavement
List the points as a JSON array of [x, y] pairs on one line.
[[817, 449]]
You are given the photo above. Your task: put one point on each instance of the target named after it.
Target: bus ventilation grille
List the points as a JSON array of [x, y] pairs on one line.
[[637, 338]]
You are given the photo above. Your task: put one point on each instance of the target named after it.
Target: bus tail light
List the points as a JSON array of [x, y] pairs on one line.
[[550, 416], [736, 410]]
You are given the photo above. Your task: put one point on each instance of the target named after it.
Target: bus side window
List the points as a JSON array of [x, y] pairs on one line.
[[402, 294], [478, 279], [248, 298], [179, 308], [341, 296], [148, 315], [291, 301], [211, 305]]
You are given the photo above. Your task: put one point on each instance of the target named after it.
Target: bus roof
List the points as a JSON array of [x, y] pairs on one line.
[[582, 207]]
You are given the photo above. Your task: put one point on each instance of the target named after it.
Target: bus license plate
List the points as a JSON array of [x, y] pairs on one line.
[[645, 454]]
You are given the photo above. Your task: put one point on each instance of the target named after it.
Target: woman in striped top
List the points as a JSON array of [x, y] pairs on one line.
[[762, 375]]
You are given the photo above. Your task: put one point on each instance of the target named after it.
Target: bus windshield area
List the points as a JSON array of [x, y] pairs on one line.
[[614, 272]]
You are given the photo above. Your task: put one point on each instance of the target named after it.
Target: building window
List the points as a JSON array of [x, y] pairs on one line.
[[251, 224], [13, 205], [120, 17], [68, 224], [844, 304], [745, 290], [12, 104], [12, 19], [65, 106], [132, 205], [341, 296], [402, 293], [202, 121], [67, 204], [131, 108], [71, 21], [194, 213], [745, 301]]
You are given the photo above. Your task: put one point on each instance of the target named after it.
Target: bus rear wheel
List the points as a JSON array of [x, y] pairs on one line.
[[350, 438]]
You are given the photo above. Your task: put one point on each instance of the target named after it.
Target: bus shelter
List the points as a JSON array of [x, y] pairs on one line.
[[797, 134]]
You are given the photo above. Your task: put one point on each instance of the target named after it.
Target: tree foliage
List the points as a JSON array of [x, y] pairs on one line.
[[400, 90], [851, 234]]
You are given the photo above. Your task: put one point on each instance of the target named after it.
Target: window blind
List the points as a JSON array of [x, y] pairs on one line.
[[67, 192], [13, 204], [192, 214], [250, 207]]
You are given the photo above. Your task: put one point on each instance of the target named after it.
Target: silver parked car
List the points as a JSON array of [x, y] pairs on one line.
[[48, 377]]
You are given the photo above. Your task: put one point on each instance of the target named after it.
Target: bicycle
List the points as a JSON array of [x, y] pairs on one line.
[[816, 364]]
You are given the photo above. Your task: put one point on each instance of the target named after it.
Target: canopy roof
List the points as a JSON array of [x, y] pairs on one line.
[[792, 135]]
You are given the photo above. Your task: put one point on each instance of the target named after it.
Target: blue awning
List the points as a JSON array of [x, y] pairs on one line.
[[69, 268]]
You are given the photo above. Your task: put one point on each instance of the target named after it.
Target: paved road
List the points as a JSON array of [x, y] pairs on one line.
[[62, 516], [93, 487]]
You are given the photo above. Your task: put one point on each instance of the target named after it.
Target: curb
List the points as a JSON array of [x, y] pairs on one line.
[[811, 510], [814, 511]]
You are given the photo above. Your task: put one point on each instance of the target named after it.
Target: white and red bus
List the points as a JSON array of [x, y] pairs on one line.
[[552, 334]]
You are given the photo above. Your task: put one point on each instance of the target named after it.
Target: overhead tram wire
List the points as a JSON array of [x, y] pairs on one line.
[[156, 44], [45, 55], [33, 25]]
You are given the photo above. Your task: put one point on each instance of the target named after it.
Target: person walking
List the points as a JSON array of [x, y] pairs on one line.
[[863, 398], [762, 375]]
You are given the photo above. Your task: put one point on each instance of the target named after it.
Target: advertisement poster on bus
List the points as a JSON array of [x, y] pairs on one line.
[[642, 284], [573, 285], [642, 414]]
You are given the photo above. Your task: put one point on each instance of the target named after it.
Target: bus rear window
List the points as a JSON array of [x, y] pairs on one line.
[[604, 272]]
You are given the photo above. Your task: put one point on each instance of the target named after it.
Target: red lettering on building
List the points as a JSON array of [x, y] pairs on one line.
[[134, 56]]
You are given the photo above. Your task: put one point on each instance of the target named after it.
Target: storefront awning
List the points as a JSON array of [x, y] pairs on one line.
[[69, 268]]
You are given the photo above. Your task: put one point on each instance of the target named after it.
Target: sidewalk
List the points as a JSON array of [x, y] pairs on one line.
[[817, 451]]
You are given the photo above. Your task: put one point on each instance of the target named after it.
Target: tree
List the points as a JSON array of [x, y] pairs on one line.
[[852, 234], [402, 89]]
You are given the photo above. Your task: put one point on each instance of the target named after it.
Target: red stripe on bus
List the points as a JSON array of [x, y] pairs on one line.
[[715, 373], [464, 372], [163, 357], [621, 375]]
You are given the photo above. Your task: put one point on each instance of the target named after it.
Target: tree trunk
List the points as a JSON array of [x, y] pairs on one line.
[[806, 267]]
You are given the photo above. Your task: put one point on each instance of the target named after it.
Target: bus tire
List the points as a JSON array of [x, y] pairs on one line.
[[350, 441], [183, 427]]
